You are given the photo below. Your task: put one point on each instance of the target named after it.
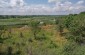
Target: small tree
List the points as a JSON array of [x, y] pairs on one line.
[[21, 35], [61, 29], [9, 51], [35, 27], [60, 26]]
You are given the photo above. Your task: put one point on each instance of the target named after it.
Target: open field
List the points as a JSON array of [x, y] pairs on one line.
[[43, 35]]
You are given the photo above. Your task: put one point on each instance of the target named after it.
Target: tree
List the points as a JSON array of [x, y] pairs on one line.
[[21, 35], [60, 26], [9, 51], [35, 28], [77, 28]]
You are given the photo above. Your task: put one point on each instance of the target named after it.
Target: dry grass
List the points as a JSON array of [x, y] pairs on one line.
[[60, 40], [49, 31]]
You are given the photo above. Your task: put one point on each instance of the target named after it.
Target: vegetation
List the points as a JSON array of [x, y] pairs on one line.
[[42, 35]]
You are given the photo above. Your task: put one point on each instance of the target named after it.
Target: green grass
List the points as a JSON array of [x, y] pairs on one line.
[[19, 35]]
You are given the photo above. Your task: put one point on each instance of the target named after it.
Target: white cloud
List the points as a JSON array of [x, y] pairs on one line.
[[69, 7], [3, 3], [12, 3], [80, 2], [17, 3], [60, 7]]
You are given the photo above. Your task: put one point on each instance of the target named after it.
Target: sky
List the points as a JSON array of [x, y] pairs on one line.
[[41, 7]]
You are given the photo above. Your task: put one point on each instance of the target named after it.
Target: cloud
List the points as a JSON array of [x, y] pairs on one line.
[[20, 7], [69, 7], [56, 0], [11, 3], [63, 6], [3, 3], [80, 2], [17, 3]]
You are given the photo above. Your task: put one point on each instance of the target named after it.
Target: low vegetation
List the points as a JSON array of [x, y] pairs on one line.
[[42, 35]]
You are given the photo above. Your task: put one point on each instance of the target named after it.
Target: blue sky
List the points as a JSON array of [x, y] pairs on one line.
[[37, 1], [41, 7]]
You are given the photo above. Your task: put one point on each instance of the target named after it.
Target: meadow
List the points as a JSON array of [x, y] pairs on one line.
[[43, 35]]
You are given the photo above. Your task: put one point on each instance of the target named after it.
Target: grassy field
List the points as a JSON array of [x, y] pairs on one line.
[[40, 35]]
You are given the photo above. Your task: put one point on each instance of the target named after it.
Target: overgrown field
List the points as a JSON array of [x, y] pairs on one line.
[[43, 35]]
